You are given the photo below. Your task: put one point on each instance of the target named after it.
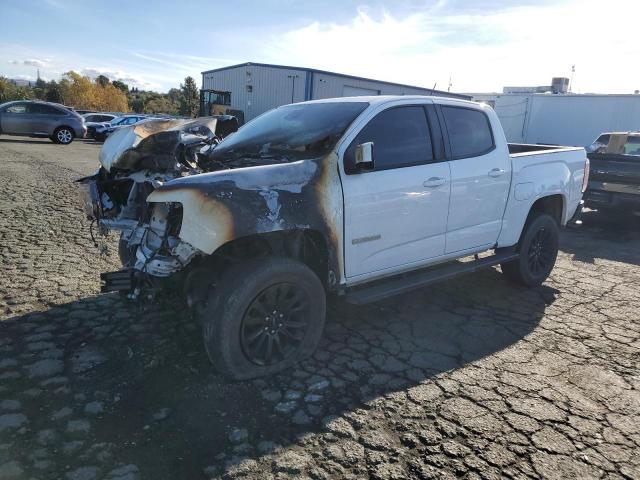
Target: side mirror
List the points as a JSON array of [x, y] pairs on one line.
[[364, 156]]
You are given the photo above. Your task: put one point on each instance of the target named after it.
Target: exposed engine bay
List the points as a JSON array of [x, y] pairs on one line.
[[134, 162]]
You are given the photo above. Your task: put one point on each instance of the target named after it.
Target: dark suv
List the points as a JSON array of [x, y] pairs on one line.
[[41, 119]]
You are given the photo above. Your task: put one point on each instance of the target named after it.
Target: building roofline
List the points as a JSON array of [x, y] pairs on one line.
[[553, 95], [343, 75]]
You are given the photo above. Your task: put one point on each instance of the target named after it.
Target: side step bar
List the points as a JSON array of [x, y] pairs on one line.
[[410, 281]]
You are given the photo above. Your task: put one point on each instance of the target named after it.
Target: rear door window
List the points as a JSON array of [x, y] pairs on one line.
[[49, 110], [400, 136], [469, 131]]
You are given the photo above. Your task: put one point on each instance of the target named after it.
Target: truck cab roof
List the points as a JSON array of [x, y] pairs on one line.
[[382, 99]]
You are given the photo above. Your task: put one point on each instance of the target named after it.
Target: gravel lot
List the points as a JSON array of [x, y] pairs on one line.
[[472, 378]]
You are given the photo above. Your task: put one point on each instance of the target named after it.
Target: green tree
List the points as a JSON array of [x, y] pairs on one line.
[[6, 89], [40, 89], [137, 104], [10, 91], [102, 80], [189, 103], [120, 85], [160, 104], [53, 93], [175, 95]]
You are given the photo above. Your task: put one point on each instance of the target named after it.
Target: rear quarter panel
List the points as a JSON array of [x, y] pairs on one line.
[[537, 175]]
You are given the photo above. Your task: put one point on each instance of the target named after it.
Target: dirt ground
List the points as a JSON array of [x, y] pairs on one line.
[[473, 378]]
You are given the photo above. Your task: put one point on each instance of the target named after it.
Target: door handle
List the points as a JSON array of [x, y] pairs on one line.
[[496, 172], [434, 182]]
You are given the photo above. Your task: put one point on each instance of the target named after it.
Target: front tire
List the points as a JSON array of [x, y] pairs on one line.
[[263, 316], [63, 135], [538, 248], [126, 253]]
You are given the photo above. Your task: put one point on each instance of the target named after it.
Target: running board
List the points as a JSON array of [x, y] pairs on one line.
[[399, 284]]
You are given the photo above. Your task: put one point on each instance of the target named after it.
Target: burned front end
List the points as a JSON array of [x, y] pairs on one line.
[[135, 161]]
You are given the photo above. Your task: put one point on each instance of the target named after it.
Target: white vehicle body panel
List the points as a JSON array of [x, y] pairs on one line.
[[537, 175], [407, 224], [479, 191], [392, 225]]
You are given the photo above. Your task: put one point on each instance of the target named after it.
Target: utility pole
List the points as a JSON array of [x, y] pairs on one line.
[[293, 84], [573, 70], [449, 87]]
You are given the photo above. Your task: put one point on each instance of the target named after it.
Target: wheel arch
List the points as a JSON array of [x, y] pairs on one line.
[[306, 245], [554, 205], [68, 127]]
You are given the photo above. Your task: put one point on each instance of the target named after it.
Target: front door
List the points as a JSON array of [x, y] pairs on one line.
[[15, 119], [395, 213], [480, 179]]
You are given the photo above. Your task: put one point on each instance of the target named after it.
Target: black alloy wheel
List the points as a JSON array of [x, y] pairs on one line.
[[538, 249], [541, 253], [262, 316], [275, 324]]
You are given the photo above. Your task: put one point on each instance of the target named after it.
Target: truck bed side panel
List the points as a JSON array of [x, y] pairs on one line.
[[538, 175]]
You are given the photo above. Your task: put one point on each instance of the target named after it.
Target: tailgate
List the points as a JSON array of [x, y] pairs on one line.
[[620, 173]]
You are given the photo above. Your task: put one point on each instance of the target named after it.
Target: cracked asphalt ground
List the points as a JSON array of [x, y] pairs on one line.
[[473, 378]]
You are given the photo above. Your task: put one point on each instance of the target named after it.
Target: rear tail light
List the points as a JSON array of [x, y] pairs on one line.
[[585, 180]]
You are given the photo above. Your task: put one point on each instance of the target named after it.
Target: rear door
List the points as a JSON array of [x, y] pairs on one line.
[[45, 118], [396, 213], [480, 178]]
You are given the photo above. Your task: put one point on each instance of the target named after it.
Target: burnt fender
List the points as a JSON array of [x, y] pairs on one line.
[[226, 205]]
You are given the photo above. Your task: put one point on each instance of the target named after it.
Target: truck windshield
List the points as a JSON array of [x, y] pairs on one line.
[[291, 131]]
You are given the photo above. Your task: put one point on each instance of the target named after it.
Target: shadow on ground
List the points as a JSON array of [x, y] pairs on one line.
[[609, 235], [163, 409]]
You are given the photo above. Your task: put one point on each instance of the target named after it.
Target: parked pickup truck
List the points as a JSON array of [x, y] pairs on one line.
[[614, 182], [361, 197]]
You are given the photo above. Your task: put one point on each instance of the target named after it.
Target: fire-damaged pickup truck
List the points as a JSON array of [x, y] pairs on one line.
[[362, 197]]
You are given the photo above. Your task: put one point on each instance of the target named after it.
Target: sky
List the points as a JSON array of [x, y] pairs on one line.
[[481, 46]]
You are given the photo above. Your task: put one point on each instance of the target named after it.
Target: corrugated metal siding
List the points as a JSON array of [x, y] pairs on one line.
[[330, 86], [273, 87], [228, 81], [566, 119]]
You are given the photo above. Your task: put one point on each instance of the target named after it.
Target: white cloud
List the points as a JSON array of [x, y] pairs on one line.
[[32, 62], [130, 79], [480, 51]]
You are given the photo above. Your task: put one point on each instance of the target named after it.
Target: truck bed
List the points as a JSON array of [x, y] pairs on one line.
[[521, 149]]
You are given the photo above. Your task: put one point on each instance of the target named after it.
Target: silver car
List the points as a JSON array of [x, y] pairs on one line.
[[41, 119]]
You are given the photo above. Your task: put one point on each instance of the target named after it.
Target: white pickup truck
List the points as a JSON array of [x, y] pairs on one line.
[[362, 197]]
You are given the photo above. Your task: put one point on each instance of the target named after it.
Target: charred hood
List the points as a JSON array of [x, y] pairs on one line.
[[162, 144]]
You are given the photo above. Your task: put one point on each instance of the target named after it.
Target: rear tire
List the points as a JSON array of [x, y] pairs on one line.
[[63, 136], [538, 248], [264, 316]]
